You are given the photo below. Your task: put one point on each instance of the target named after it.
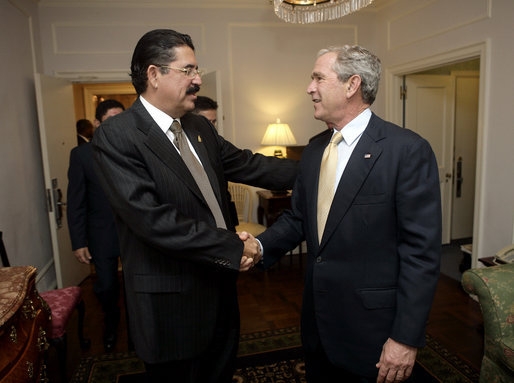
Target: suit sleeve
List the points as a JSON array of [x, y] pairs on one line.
[[256, 169], [123, 174], [287, 232], [76, 206], [419, 249]]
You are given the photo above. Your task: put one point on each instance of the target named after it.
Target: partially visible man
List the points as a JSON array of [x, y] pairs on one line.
[[91, 225], [207, 107], [165, 172], [84, 131], [367, 202]]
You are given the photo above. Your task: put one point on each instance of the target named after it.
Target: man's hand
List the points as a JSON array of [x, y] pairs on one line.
[[246, 263], [251, 251], [396, 362], [82, 255]]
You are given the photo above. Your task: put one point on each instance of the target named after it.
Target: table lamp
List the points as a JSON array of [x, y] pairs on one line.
[[278, 134]]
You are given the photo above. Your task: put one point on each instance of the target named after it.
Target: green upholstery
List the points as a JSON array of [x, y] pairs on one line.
[[494, 287]]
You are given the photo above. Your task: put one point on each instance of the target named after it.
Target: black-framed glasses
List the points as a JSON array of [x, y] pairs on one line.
[[189, 72]]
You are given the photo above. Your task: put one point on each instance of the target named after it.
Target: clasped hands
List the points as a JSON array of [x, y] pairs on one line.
[[251, 252]]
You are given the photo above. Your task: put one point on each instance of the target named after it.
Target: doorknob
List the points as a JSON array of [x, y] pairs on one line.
[[448, 176], [57, 194]]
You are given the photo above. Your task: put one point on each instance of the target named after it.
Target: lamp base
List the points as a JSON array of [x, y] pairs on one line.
[[278, 153]]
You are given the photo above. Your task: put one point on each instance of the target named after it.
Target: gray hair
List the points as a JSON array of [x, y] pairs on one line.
[[355, 60]]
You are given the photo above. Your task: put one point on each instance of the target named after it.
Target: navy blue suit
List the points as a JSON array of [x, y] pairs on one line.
[[91, 223], [374, 274]]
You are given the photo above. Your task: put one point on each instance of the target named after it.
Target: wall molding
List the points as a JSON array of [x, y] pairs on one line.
[[42, 272], [452, 25]]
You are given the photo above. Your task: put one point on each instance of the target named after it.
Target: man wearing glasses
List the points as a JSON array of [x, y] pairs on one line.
[[165, 171]]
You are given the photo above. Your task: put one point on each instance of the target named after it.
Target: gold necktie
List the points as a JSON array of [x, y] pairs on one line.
[[198, 173], [327, 179]]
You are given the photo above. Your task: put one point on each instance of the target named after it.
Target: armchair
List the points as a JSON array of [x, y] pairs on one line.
[[494, 287]]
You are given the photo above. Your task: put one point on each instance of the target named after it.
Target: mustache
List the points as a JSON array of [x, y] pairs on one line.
[[194, 89]]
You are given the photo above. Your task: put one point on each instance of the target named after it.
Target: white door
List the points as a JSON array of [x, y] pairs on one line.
[[58, 136], [429, 111], [466, 117]]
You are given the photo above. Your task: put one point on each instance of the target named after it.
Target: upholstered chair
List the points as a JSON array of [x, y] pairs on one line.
[[494, 287], [62, 303]]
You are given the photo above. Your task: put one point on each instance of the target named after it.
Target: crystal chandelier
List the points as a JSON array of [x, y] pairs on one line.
[[316, 11]]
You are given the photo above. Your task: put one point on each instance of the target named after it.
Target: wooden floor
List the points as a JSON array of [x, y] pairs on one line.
[[272, 300]]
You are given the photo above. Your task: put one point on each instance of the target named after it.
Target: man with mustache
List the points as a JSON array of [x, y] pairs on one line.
[[165, 172]]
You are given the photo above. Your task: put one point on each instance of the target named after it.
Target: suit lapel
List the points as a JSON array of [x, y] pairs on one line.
[[364, 156], [161, 146]]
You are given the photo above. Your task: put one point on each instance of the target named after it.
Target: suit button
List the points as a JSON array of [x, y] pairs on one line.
[[319, 259]]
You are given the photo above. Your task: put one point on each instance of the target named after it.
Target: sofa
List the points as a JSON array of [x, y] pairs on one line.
[[494, 287]]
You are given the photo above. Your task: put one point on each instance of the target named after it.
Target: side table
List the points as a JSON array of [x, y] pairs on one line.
[[271, 206]]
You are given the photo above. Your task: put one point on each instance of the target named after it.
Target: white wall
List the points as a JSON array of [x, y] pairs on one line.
[[23, 216], [265, 65], [412, 31]]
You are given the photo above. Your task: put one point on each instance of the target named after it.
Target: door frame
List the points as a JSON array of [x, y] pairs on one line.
[[393, 81]]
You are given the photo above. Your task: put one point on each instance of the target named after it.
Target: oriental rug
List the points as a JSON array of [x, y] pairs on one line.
[[275, 356]]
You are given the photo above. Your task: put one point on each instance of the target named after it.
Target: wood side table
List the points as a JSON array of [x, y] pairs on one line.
[[271, 206], [24, 324]]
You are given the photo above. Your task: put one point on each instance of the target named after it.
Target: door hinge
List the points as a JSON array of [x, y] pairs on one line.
[[49, 200], [403, 92]]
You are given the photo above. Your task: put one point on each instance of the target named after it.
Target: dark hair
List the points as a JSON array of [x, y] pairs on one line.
[[84, 127], [204, 103], [155, 47], [105, 106]]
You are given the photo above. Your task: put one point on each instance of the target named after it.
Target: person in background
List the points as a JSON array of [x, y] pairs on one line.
[[367, 201], [165, 172], [91, 226], [84, 131], [207, 107]]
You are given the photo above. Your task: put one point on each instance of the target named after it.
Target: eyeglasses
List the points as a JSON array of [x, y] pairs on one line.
[[189, 72]]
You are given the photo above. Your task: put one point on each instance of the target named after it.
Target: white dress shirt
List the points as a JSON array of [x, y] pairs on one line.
[[164, 121], [351, 132]]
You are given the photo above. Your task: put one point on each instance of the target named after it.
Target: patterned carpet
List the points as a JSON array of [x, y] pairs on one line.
[[272, 357]]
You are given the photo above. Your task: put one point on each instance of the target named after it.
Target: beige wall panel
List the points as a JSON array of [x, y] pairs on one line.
[[92, 38], [434, 18], [270, 70]]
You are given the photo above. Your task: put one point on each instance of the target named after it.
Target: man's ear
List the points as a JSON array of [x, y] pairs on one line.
[[96, 123], [352, 85], [152, 73]]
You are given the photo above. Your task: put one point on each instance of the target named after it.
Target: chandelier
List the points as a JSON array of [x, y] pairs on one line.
[[316, 11]]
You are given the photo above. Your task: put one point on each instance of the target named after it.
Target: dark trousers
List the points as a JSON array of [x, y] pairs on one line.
[[318, 369], [216, 364]]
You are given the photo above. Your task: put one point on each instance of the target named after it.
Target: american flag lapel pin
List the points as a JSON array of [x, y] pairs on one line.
[[367, 156], [199, 138]]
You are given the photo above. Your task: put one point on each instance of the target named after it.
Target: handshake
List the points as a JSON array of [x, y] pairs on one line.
[[251, 252]]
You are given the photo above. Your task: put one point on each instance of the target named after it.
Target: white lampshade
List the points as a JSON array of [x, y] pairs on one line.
[[278, 134]]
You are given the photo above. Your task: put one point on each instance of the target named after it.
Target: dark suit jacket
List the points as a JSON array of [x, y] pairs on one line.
[[90, 218], [374, 274], [80, 140], [178, 266]]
